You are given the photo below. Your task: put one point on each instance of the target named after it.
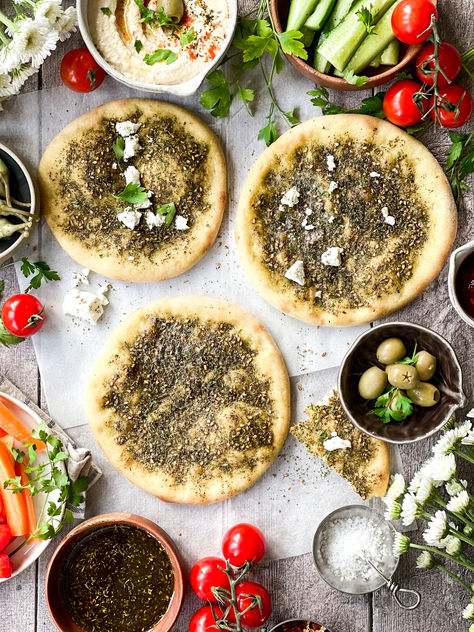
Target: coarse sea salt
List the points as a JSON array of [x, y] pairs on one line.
[[347, 541]]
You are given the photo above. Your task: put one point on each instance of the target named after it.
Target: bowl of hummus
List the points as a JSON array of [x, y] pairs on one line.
[[158, 45]]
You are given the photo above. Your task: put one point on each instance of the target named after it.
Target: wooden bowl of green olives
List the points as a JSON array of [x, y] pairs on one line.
[[400, 382]]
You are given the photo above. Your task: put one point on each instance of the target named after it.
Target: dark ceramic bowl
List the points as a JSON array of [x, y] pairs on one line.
[[424, 421], [279, 12], [299, 624], [23, 189], [53, 592]]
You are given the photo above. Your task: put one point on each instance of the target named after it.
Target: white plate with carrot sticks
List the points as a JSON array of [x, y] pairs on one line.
[[23, 514]]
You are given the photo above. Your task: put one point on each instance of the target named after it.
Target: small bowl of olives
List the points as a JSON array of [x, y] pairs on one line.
[[400, 382]]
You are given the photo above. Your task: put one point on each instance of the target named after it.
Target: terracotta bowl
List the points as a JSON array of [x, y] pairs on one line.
[[54, 599], [279, 12], [424, 421]]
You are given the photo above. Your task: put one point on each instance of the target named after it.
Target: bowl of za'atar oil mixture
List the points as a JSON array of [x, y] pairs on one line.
[[115, 573]]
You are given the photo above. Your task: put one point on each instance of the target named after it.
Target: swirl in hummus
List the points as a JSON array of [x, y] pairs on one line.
[[158, 41]]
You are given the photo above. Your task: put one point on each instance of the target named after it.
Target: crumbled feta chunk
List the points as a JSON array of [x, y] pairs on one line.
[[129, 217], [102, 291], [132, 175], [131, 258], [291, 197], [84, 305], [181, 223], [374, 174], [304, 222], [336, 443], [154, 220], [331, 218], [296, 272], [331, 163], [332, 256], [318, 293], [80, 278], [132, 145], [145, 203], [114, 165], [389, 219], [127, 128], [332, 186], [309, 211]]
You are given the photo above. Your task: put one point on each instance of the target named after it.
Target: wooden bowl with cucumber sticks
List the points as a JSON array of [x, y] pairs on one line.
[[341, 54]]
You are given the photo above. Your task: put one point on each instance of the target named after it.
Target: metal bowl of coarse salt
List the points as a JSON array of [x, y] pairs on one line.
[[353, 553]]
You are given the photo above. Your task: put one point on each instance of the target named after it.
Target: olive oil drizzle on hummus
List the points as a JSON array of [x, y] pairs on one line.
[[172, 164], [377, 258], [169, 400]]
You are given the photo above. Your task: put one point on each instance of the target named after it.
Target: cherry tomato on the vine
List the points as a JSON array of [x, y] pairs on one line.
[[449, 60], [80, 72], [243, 543], [257, 615], [5, 536], [203, 619], [5, 566], [454, 106], [22, 315], [411, 19], [205, 575], [399, 106]]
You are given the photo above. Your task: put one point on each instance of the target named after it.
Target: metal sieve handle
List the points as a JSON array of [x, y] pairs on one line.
[[396, 590]]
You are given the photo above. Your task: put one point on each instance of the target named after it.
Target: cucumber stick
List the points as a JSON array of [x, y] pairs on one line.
[[374, 43], [300, 10], [343, 41], [308, 36], [391, 54], [339, 12], [376, 61], [319, 16]]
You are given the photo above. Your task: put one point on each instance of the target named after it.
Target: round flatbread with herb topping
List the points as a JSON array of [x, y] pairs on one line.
[[344, 219], [134, 189], [190, 399]]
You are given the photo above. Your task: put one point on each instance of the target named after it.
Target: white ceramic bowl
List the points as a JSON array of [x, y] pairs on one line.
[[457, 257], [31, 551], [179, 89], [23, 189]]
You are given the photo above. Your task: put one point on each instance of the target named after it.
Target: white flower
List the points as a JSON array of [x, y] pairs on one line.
[[49, 9], [397, 487], [393, 509], [451, 439], [21, 74], [453, 545], [469, 438], [34, 40], [437, 529], [468, 612], [6, 87], [454, 486], [441, 468], [459, 503], [424, 490], [401, 543], [415, 483], [66, 24], [411, 510], [425, 560]]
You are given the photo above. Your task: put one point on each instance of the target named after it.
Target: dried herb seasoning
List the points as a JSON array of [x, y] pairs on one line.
[[118, 578]]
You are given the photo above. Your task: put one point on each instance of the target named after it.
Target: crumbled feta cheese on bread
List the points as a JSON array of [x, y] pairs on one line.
[[336, 443], [332, 186], [332, 256], [129, 217], [127, 128], [132, 175], [81, 278], [291, 197], [132, 145], [154, 220], [389, 219], [296, 272], [331, 163], [181, 223]]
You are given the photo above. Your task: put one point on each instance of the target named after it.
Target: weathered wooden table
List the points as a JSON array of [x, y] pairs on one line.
[[294, 583]]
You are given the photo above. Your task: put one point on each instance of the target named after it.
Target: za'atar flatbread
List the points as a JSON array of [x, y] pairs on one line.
[[190, 399], [165, 149], [344, 219]]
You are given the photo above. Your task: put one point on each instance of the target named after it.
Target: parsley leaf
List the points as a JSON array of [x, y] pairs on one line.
[[41, 270], [355, 80], [366, 16], [187, 37], [393, 405], [168, 209], [291, 44], [268, 133], [146, 15], [460, 163], [118, 148], [162, 54], [6, 338], [106, 10], [138, 45], [218, 98], [133, 193]]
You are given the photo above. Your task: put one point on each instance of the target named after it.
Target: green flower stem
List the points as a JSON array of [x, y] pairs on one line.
[[4, 38], [454, 514], [454, 576], [464, 455], [11, 25], [438, 552], [461, 536]]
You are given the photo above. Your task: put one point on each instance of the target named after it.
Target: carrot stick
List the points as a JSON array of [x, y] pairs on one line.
[[13, 426], [30, 509], [2, 432], [14, 503]]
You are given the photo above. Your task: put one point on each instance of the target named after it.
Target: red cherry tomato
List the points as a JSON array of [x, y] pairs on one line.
[[5, 536], [243, 543], [5, 566], [411, 18], [23, 315], [205, 575], [453, 98], [255, 616], [449, 60], [398, 103], [80, 72], [203, 619]]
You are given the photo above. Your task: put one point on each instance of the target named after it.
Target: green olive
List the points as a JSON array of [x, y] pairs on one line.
[[393, 403], [402, 375], [425, 395], [372, 383], [391, 350], [173, 9], [425, 365]]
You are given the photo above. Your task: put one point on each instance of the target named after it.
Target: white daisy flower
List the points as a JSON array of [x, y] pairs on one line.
[[21, 74], [425, 560], [401, 543], [454, 486], [397, 487], [415, 483], [9, 58], [469, 438], [452, 438], [49, 9], [437, 529], [411, 510], [459, 503], [66, 24], [441, 468], [393, 509], [424, 490], [6, 88], [34, 40], [453, 545], [468, 612]]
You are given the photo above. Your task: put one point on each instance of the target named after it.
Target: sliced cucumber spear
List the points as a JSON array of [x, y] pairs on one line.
[[391, 54], [319, 16], [376, 61], [374, 43], [343, 41], [308, 36], [339, 12], [300, 10]]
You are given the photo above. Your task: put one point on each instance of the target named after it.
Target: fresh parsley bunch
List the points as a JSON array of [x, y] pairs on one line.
[[258, 45]]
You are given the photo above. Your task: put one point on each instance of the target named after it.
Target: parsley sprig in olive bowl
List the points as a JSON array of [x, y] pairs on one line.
[[396, 414]]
